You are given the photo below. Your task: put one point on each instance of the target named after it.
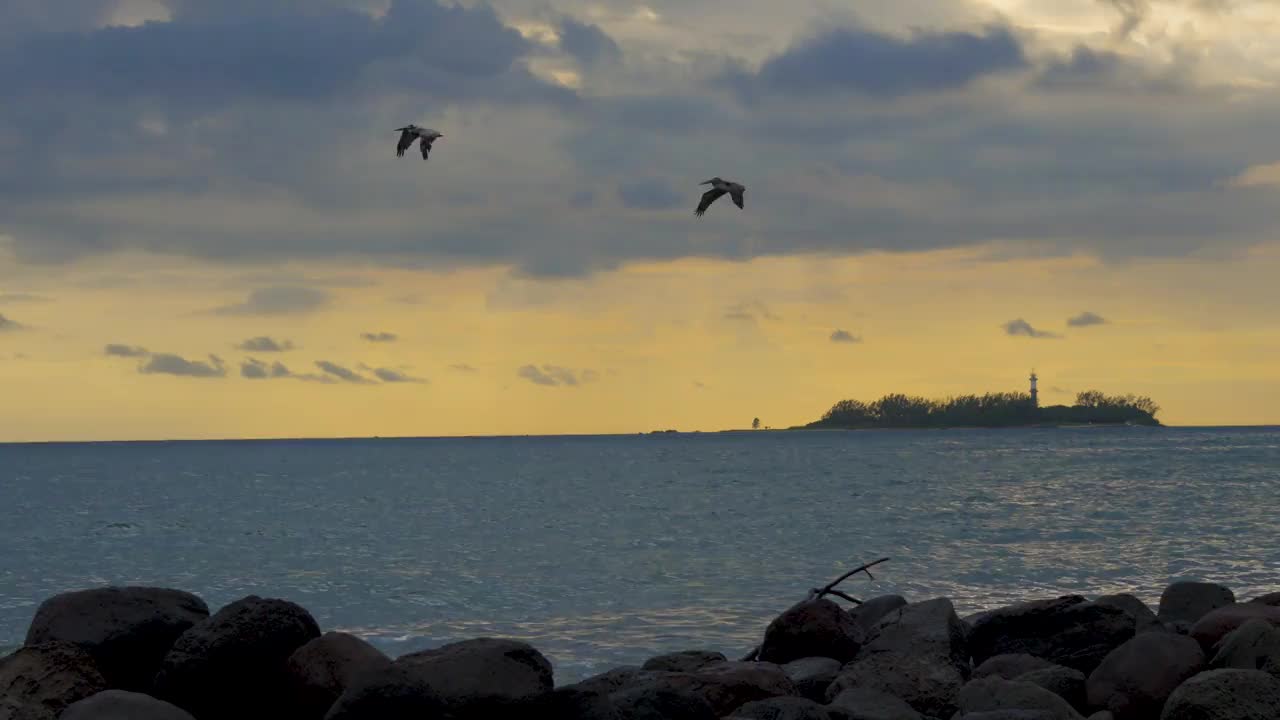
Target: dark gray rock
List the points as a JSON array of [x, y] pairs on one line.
[[1144, 619], [321, 670], [1225, 695], [613, 680], [812, 676], [1010, 666], [928, 684], [484, 675], [231, 666], [568, 703], [127, 630], [684, 661], [866, 615], [1134, 680], [1189, 601], [1068, 630], [1102, 715], [1213, 627], [48, 677], [782, 708], [11, 709], [994, 693], [394, 692], [1247, 647], [1006, 715], [812, 628], [924, 629], [1268, 599], [869, 704], [123, 705], [730, 685], [654, 701], [1064, 682]]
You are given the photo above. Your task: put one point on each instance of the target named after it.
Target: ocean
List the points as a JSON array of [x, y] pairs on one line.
[[605, 550]]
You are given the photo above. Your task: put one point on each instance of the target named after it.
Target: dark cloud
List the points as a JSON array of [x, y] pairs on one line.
[[254, 369], [555, 376], [649, 194], [279, 300], [844, 336], [15, 298], [380, 337], [342, 373], [1090, 69], [168, 364], [1132, 14], [389, 375], [7, 325], [1023, 328], [1085, 319], [588, 44], [128, 351], [863, 61], [262, 343]]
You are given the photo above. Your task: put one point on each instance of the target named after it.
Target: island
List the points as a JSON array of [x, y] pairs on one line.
[[1004, 409]]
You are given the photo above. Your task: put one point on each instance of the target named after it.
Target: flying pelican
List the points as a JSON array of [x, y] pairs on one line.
[[412, 132], [718, 188]]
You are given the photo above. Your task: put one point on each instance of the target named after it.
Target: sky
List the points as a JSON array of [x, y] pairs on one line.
[[205, 231]]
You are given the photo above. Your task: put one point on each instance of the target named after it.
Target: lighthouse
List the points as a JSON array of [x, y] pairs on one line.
[[1035, 395]]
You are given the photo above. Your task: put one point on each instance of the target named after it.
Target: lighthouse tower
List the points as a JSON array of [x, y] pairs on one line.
[[1035, 395]]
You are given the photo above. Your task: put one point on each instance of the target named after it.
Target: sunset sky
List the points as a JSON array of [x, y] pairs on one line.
[[205, 231]]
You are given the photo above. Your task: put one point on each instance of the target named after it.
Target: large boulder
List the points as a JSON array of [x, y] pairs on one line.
[[1068, 630], [11, 709], [48, 677], [127, 630], [1064, 682], [613, 680], [811, 628], [868, 704], [654, 701], [394, 692], [320, 671], [730, 685], [482, 676], [1214, 626], [123, 705], [1006, 715], [994, 693], [684, 661], [1011, 665], [812, 676], [232, 665], [1225, 695], [1248, 647], [928, 684], [782, 708], [866, 615], [1135, 679], [568, 703], [1188, 601], [1144, 619], [924, 629], [1272, 598]]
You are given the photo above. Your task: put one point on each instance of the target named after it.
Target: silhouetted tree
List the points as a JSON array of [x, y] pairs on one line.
[[989, 410], [755, 424]]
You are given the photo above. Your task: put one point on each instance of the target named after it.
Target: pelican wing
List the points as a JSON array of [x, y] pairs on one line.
[[426, 145], [406, 139], [736, 193], [708, 197]]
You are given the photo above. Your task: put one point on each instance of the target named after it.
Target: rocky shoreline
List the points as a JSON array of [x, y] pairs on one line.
[[141, 653]]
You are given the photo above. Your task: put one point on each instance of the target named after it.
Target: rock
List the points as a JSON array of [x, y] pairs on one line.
[[1142, 616], [394, 692], [686, 661], [1006, 715], [812, 628], [482, 676], [572, 704], [50, 675], [1190, 601], [994, 693], [1064, 682], [812, 676], [1225, 695], [612, 680], [123, 705], [1247, 647], [1134, 680], [1180, 627], [11, 709], [1272, 599], [866, 615], [654, 701], [923, 629], [782, 708], [1067, 630], [1211, 628], [930, 685], [733, 684], [232, 664], [320, 671], [1011, 665], [127, 630], [869, 704], [1102, 715]]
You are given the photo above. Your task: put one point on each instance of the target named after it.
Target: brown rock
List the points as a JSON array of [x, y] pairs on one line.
[[1211, 628], [1225, 695], [49, 676], [320, 671], [812, 628], [1189, 601], [1135, 679]]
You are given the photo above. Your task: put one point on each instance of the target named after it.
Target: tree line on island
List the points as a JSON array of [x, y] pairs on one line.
[[1005, 409]]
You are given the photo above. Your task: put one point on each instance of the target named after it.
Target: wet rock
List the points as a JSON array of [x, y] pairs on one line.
[[48, 677], [654, 701], [478, 676], [685, 661], [1189, 601], [924, 629], [782, 708], [123, 705], [812, 628], [812, 676], [869, 704], [1144, 619], [866, 615], [930, 685], [1225, 695], [127, 630], [1211, 628], [1135, 679], [1068, 630], [1247, 647], [1272, 599], [1011, 665], [1064, 682], [321, 670], [232, 665], [994, 693]]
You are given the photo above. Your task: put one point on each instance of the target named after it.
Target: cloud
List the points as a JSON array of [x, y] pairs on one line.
[[7, 325], [380, 337], [555, 376], [844, 336], [1087, 68], [1085, 319], [1024, 328], [254, 369], [168, 364], [588, 44], [342, 373], [127, 351], [262, 343], [15, 298], [1266, 175], [278, 300], [749, 311], [649, 194], [463, 367], [389, 375]]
